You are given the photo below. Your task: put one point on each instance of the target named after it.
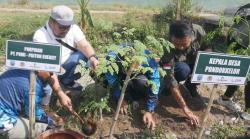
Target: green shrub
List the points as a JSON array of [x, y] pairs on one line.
[[100, 34], [227, 131]]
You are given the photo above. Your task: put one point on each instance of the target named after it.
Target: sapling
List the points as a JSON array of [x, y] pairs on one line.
[[94, 101], [131, 56]]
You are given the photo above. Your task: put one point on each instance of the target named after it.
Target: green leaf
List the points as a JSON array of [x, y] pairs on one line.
[[115, 67], [104, 70], [162, 72], [89, 18], [146, 69], [139, 47], [124, 63], [237, 19], [110, 70]]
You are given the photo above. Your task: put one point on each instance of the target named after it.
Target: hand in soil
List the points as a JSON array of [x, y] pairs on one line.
[[193, 119], [149, 120], [124, 107]]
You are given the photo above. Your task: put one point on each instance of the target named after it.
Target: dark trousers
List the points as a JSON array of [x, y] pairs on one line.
[[231, 89], [69, 65], [247, 95], [182, 71], [137, 88]]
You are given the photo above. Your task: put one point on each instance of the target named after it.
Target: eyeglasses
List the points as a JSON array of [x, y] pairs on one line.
[[62, 27], [182, 42]]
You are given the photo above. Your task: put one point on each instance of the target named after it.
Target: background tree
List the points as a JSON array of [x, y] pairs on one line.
[[86, 19], [183, 8]]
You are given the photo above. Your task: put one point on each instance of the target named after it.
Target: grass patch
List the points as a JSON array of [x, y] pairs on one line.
[[19, 26], [228, 131], [101, 7], [22, 25]]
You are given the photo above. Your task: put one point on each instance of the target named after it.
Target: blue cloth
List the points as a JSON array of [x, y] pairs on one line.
[[152, 95], [14, 97]]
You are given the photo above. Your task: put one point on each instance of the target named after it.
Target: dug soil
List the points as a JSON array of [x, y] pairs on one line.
[[169, 118]]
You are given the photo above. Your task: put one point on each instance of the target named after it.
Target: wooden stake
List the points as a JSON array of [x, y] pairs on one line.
[[120, 101], [210, 103], [178, 10], [32, 94]]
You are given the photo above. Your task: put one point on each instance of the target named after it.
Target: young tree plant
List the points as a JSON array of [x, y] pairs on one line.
[[95, 100], [131, 56]]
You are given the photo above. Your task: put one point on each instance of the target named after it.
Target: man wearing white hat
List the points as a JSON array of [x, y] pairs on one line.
[[61, 29]]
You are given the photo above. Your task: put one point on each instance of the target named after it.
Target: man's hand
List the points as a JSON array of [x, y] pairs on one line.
[[124, 107], [194, 120], [94, 63], [157, 59], [86, 49], [149, 120], [65, 101]]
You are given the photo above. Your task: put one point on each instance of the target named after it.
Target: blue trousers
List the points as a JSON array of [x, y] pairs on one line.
[[68, 77], [182, 71], [69, 65]]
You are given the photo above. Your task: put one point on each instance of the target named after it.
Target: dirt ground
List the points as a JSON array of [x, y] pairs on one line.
[[169, 118]]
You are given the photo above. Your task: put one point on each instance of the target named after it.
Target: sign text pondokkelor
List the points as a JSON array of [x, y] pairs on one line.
[[218, 68]]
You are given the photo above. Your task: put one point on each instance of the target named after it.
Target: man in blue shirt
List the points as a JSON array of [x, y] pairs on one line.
[[14, 100], [137, 88]]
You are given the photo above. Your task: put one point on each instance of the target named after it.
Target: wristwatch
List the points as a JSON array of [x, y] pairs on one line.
[[93, 56]]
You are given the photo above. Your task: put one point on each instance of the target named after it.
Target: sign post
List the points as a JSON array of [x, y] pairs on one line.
[[217, 68], [32, 94], [33, 56]]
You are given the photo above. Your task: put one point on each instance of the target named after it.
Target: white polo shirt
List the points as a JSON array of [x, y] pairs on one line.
[[45, 35]]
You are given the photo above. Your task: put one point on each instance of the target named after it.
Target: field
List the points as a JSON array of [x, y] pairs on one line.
[[21, 23]]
